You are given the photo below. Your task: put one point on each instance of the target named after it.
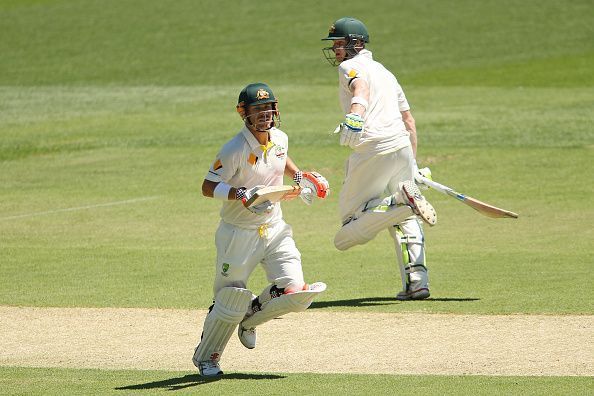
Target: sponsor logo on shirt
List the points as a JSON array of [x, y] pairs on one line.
[[280, 152]]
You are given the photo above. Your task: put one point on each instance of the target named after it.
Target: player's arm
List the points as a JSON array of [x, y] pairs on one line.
[[223, 169], [291, 169], [360, 90], [409, 123], [352, 127], [224, 192], [209, 186]]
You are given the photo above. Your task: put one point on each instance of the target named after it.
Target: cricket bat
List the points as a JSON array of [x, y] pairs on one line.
[[273, 194], [480, 206]]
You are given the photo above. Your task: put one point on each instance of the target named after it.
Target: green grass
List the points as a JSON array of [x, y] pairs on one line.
[[73, 147], [33, 381], [120, 107], [184, 42]]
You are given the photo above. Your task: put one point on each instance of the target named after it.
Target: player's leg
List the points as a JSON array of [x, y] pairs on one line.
[[231, 304], [410, 252], [402, 186], [287, 291], [366, 178], [408, 236], [232, 300], [373, 176]]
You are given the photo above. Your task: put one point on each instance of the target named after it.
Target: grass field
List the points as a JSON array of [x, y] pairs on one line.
[[112, 111]]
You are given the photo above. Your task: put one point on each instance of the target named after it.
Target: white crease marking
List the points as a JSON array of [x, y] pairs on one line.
[[128, 201]]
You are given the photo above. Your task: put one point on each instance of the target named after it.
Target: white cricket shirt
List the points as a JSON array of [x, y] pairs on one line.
[[244, 162], [384, 130]]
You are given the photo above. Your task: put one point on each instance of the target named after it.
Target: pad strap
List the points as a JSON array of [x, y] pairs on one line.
[[283, 304]]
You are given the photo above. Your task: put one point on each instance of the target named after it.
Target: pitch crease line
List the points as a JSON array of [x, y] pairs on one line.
[[128, 201]]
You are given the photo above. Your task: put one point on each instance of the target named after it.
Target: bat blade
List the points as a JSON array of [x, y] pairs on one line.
[[484, 208], [480, 206], [273, 194]]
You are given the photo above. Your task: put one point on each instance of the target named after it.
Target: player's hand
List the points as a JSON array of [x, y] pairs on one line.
[[313, 185], [306, 195], [350, 130], [419, 174], [260, 209]]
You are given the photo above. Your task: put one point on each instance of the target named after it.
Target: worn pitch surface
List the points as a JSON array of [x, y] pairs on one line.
[[314, 341]]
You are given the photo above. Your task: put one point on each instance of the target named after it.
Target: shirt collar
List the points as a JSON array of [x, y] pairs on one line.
[[366, 53], [254, 144]]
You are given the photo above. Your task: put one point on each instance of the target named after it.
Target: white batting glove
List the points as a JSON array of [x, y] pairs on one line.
[[307, 195], [313, 185], [350, 130], [260, 209], [419, 174]]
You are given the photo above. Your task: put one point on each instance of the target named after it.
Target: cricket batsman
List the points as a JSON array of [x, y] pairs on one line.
[[250, 235], [378, 191]]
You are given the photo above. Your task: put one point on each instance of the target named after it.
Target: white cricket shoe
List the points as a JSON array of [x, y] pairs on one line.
[[208, 368], [418, 287], [413, 197], [418, 294], [247, 337]]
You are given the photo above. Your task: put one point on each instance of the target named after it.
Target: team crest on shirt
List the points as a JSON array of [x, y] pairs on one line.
[[280, 152], [262, 94]]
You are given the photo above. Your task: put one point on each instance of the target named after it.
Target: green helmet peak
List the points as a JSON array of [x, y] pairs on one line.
[[346, 28]]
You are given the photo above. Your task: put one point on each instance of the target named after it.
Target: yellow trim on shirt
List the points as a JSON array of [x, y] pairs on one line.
[[266, 148]]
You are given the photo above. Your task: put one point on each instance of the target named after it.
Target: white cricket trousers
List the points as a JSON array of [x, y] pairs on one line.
[[240, 250], [370, 176]]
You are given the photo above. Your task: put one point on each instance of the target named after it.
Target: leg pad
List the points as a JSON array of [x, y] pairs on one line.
[[231, 304], [369, 224], [292, 302]]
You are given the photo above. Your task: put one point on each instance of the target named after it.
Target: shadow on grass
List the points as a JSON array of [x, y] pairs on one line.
[[355, 302], [458, 299], [372, 301], [195, 379]]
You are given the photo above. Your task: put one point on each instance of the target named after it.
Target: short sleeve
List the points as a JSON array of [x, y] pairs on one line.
[[347, 72], [225, 165], [402, 102]]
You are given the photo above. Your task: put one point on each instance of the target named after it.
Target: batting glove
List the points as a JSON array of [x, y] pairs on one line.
[[419, 174], [313, 185], [350, 130]]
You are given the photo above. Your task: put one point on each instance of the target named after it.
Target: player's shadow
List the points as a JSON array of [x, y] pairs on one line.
[[190, 380], [372, 301], [355, 302], [458, 299]]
